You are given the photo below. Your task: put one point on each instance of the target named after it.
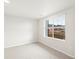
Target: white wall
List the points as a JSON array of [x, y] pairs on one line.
[[66, 46], [19, 31]]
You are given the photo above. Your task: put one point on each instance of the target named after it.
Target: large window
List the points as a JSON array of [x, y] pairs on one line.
[[55, 27]]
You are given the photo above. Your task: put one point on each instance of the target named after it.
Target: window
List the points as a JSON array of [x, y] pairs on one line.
[[55, 27]]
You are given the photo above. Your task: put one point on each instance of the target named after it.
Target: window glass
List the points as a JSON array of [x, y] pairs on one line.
[[56, 27]]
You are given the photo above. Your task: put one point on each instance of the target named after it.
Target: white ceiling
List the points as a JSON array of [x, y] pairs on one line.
[[36, 8]]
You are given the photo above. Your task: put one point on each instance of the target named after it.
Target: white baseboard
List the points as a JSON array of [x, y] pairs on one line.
[[19, 44]]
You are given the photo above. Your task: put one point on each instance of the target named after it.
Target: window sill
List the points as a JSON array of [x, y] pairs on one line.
[[55, 39]]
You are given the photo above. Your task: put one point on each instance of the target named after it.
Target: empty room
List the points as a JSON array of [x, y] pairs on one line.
[[39, 29]]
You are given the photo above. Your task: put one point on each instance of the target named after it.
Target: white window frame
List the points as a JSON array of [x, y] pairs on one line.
[[46, 36]]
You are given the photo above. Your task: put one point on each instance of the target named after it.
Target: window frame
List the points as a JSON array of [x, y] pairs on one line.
[[54, 16]]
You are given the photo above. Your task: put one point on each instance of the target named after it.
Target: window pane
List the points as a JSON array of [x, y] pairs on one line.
[[50, 28], [59, 27]]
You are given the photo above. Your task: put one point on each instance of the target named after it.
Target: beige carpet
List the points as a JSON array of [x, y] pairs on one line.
[[33, 51]]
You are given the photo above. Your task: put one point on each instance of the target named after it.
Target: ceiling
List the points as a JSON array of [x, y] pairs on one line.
[[35, 8]]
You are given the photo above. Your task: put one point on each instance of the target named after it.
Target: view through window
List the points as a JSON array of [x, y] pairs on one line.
[[56, 27]]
